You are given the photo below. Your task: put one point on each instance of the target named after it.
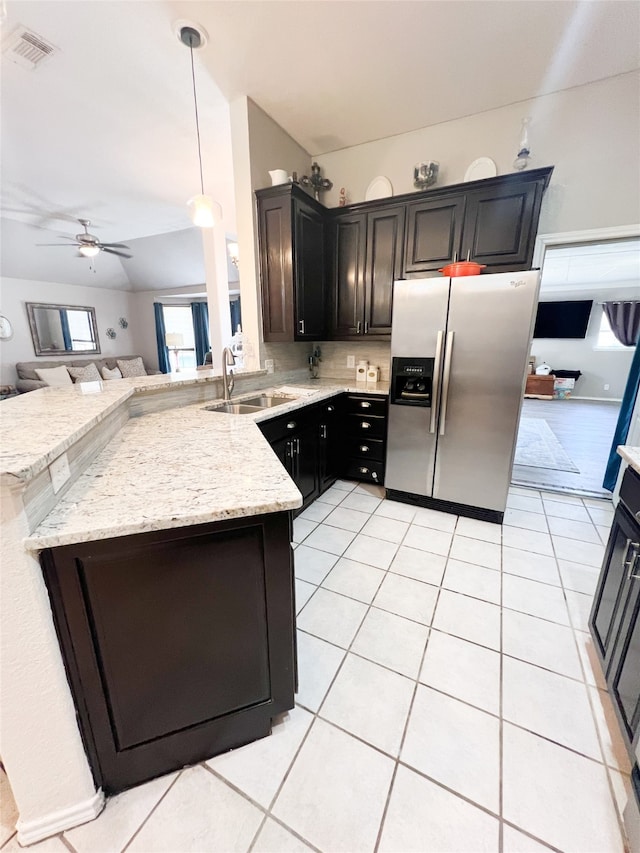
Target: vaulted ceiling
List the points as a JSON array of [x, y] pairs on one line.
[[104, 129]]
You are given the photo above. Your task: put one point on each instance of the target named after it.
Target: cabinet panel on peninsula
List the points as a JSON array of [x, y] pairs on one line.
[[178, 644]]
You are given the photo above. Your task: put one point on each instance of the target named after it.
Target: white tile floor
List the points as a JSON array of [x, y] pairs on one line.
[[449, 698]]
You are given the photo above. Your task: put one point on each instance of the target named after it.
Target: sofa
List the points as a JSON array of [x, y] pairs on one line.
[[28, 378]]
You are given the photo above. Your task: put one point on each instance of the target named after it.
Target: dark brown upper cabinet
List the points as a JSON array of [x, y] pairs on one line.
[[367, 258], [338, 266], [434, 232], [292, 247]]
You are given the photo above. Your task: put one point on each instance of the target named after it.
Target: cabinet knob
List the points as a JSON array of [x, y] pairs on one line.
[[364, 448], [365, 404], [331, 408], [292, 425], [365, 425], [363, 470]]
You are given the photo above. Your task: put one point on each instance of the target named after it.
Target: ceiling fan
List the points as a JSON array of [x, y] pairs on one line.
[[89, 245]]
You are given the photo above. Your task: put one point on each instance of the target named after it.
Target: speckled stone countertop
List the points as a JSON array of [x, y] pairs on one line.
[[631, 455], [177, 468]]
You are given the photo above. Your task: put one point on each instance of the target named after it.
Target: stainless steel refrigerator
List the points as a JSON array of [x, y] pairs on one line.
[[459, 350]]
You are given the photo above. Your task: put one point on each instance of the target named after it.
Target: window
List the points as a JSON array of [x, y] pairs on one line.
[[606, 338], [178, 324]]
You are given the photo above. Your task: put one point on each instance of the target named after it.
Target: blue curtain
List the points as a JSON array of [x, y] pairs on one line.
[[236, 316], [66, 332], [200, 314], [161, 341], [624, 421]]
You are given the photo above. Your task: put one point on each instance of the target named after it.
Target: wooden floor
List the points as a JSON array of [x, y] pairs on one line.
[[585, 430]]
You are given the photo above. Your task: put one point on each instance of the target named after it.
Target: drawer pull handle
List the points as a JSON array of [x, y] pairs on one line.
[[629, 562], [363, 470], [365, 425], [358, 327], [292, 425], [365, 404], [301, 327], [364, 448]]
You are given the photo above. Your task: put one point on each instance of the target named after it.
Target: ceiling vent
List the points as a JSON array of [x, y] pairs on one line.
[[28, 49]]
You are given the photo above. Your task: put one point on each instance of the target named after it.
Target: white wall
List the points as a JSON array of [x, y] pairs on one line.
[[591, 134], [259, 145], [599, 367], [110, 305]]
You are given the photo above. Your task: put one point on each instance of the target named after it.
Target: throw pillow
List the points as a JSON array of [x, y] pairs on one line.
[[108, 373], [85, 374], [132, 367], [54, 375]]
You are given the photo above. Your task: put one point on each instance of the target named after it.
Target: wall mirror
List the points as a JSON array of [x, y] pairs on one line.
[[59, 329]]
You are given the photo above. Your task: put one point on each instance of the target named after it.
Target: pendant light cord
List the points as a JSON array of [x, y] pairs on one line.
[[195, 103]]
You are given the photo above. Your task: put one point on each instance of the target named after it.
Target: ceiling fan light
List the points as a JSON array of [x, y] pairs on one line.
[[202, 212], [89, 251]]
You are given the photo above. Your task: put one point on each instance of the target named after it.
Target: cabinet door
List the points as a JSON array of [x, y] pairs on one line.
[[434, 232], [498, 226], [276, 270], [309, 274], [608, 600], [349, 249], [305, 449], [329, 444], [625, 670], [385, 243]]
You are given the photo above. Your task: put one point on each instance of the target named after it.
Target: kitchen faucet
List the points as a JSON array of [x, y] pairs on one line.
[[228, 359]]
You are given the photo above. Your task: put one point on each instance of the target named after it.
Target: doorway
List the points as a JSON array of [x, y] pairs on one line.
[[566, 427]]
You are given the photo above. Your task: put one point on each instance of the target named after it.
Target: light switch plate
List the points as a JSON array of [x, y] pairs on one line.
[[269, 365], [59, 472], [351, 361]]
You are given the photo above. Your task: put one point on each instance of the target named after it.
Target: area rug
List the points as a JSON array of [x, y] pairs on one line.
[[538, 447]]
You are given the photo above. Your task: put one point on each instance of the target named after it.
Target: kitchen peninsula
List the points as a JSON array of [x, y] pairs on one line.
[[161, 491]]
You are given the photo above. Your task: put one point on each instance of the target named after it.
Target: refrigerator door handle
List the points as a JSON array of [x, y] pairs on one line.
[[435, 390], [446, 377]]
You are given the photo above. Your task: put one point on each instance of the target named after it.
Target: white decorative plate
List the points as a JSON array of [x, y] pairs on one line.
[[483, 167], [379, 187]]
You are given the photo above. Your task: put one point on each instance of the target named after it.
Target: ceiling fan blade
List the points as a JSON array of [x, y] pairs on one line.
[[63, 245], [113, 252], [114, 246]]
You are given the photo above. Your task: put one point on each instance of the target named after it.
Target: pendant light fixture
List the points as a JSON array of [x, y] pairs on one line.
[[201, 206]]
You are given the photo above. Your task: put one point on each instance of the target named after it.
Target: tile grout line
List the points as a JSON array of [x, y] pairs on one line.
[[501, 709], [145, 821]]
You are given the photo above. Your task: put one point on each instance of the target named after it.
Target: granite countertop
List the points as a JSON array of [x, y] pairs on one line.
[[631, 455], [181, 467]]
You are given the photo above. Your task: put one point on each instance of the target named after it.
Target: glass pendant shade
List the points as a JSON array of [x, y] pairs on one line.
[[201, 209], [89, 251]]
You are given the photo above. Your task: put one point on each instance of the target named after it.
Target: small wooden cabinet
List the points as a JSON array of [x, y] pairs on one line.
[[615, 616], [434, 233], [292, 246], [178, 644]]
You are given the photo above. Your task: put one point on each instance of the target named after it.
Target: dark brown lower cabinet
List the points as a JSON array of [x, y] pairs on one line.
[[178, 644]]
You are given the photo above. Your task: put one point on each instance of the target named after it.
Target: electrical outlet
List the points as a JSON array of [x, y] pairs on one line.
[[270, 365], [59, 472], [606, 387], [351, 361]]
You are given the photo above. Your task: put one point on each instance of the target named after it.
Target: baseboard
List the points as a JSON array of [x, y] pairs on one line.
[[30, 831], [596, 399]]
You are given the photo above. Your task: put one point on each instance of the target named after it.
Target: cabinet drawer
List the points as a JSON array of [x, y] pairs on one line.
[[362, 469], [369, 425], [365, 449], [366, 405], [290, 424]]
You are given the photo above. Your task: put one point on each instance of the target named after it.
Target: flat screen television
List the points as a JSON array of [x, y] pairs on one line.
[[562, 319]]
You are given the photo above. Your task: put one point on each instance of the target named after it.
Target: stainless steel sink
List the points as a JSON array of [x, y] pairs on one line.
[[234, 409], [268, 401]]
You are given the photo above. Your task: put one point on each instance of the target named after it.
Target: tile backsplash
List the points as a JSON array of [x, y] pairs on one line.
[[334, 358]]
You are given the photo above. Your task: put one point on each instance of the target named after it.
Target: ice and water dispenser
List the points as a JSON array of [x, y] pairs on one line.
[[411, 381]]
